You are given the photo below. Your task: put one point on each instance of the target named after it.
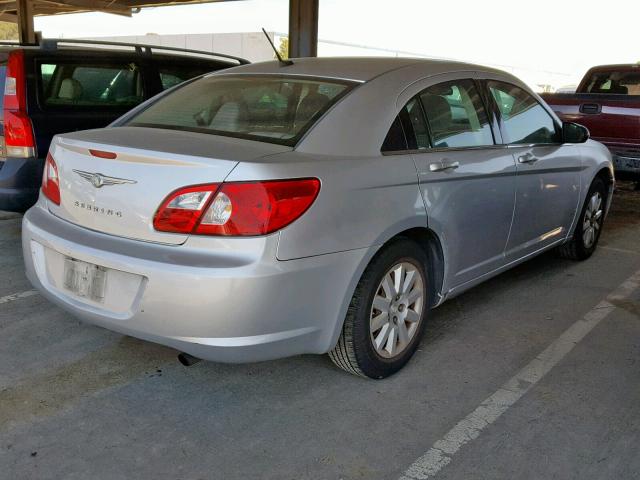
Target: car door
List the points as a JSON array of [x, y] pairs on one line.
[[467, 182], [548, 171]]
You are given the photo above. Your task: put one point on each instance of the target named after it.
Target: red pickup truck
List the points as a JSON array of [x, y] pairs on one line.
[[607, 102]]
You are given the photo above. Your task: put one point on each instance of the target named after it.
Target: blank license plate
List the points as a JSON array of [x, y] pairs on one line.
[[85, 279], [627, 162]]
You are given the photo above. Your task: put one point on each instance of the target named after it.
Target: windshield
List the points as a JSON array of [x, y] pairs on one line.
[[276, 109]]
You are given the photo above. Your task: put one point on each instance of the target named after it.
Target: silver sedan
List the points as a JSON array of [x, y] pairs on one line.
[[325, 206]]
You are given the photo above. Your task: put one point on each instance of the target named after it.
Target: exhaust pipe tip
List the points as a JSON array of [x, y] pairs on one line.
[[188, 360]]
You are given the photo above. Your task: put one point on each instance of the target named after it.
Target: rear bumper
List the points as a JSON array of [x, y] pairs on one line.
[[228, 303], [626, 168], [626, 160], [19, 183]]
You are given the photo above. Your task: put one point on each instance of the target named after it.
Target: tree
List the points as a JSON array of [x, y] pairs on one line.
[[8, 31], [283, 49]]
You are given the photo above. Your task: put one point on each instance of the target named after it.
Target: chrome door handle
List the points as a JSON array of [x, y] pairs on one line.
[[527, 158], [443, 166]]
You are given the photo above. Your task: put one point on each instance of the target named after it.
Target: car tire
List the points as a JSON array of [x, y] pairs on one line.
[[363, 349], [587, 232]]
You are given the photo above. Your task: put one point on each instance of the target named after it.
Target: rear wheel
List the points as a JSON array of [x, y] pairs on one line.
[[387, 313], [587, 232]]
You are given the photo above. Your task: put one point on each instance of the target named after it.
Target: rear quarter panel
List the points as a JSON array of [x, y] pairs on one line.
[[363, 201]]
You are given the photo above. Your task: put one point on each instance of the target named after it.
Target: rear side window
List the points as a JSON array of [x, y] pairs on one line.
[[456, 115], [524, 120], [170, 76], [395, 140], [276, 109], [46, 73], [447, 115], [91, 85], [417, 125], [615, 82]]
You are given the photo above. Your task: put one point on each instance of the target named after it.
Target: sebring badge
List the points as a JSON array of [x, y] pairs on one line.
[[99, 180]]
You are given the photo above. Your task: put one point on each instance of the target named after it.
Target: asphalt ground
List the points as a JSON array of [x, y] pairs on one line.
[[534, 374]]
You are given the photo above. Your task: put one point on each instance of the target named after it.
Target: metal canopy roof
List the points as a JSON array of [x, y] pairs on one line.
[[9, 8], [303, 16]]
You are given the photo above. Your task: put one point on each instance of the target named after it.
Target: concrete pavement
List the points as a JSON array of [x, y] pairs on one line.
[[80, 402]]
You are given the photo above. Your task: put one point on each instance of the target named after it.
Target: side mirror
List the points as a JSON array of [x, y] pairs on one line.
[[574, 133]]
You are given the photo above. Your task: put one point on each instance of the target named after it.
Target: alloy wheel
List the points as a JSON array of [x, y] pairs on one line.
[[592, 221], [397, 309]]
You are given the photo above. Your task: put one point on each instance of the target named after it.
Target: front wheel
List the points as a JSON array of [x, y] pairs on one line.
[[587, 232], [387, 313]]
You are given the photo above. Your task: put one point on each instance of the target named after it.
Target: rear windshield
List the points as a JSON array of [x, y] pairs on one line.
[[275, 109], [615, 82]]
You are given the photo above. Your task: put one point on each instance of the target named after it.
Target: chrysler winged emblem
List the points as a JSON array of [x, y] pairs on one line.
[[99, 180]]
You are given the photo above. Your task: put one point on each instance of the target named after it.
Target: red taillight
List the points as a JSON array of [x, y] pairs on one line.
[[50, 180], [182, 209], [18, 130], [237, 208], [15, 97], [18, 134]]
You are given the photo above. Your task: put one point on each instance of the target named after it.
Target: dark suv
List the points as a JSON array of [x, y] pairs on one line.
[[62, 86]]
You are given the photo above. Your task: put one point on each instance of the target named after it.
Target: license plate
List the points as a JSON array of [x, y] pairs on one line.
[[85, 279], [626, 162]]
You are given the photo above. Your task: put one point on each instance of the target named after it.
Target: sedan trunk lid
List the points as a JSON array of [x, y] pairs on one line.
[[113, 180]]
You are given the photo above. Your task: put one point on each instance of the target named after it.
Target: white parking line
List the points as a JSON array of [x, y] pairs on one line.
[[16, 296], [468, 429]]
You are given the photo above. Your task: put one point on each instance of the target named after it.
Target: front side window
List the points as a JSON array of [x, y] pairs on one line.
[[456, 115], [524, 120], [276, 109], [91, 85]]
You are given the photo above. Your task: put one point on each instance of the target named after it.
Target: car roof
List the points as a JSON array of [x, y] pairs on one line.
[[356, 125], [361, 69], [619, 66]]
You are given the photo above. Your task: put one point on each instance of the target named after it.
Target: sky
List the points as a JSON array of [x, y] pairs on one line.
[[560, 37]]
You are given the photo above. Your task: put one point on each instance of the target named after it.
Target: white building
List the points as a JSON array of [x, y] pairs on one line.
[[254, 47], [250, 45]]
